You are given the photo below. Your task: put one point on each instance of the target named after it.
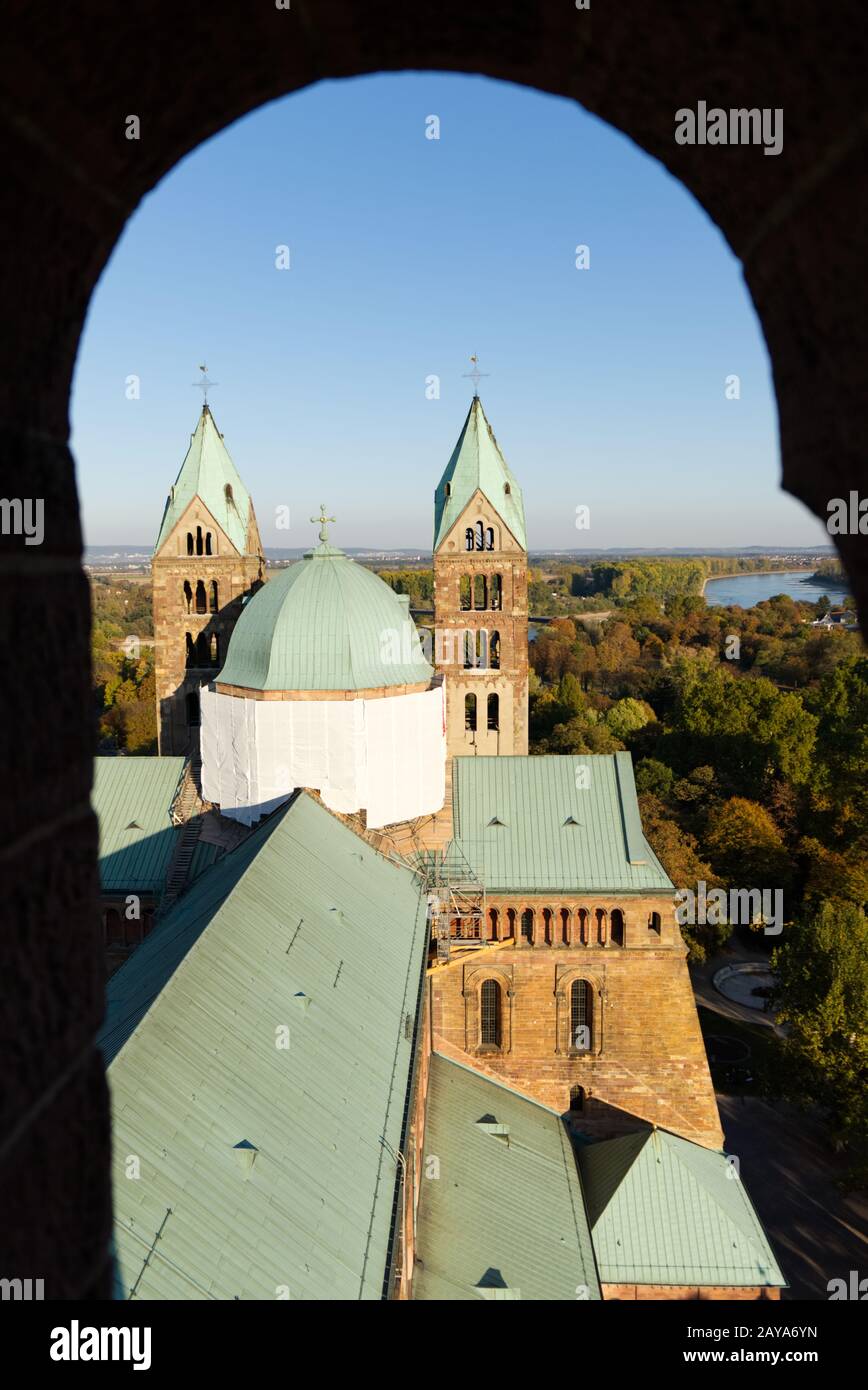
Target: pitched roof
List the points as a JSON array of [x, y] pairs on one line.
[[477, 462], [325, 623], [132, 798], [664, 1210], [505, 1217], [262, 1166], [207, 472], [533, 824]]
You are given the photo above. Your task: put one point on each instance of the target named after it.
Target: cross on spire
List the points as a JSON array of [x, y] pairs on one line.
[[204, 384], [475, 374], [323, 521]]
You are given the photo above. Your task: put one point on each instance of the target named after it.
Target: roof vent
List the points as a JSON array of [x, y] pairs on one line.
[[493, 1287], [245, 1155], [302, 1001], [495, 820], [571, 820], [134, 825], [488, 1124]]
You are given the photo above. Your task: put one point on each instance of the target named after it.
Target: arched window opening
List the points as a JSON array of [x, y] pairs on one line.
[[565, 926], [493, 924], [584, 920], [507, 489], [482, 649], [191, 651], [527, 925], [468, 538], [188, 595], [489, 1014], [201, 602], [190, 547], [495, 651], [494, 712], [479, 535], [617, 920], [227, 492], [208, 550], [192, 705], [489, 538], [469, 649], [464, 591], [199, 543], [496, 591], [581, 1016], [577, 1099], [215, 649], [214, 600], [654, 923], [448, 490], [510, 922], [548, 926], [480, 591], [470, 713], [114, 927], [202, 652], [602, 925]]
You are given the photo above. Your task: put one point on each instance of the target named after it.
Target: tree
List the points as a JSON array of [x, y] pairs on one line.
[[822, 997], [627, 716], [654, 777], [746, 847]]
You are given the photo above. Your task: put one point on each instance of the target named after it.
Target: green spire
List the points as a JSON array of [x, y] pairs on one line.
[[477, 462], [209, 473]]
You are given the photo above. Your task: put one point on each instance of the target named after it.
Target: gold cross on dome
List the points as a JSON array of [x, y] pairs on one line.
[[323, 521]]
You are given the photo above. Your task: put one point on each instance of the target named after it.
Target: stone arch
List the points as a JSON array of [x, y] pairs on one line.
[[474, 980], [566, 978], [618, 927], [781, 217]]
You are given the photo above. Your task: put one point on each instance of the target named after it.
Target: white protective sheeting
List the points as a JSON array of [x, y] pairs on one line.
[[386, 756]]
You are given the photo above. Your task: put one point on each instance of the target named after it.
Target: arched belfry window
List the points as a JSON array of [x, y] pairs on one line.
[[202, 650], [208, 550], [490, 1014], [496, 591], [480, 536], [577, 1099], [188, 595], [469, 649], [482, 649], [495, 651], [470, 713], [201, 602], [215, 649], [190, 547], [494, 712], [464, 591], [191, 650], [468, 538], [617, 924], [199, 541], [489, 538], [480, 591], [581, 1016], [527, 924], [214, 601], [192, 706]]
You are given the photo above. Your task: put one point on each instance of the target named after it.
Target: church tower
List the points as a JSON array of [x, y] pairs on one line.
[[480, 595], [208, 557]]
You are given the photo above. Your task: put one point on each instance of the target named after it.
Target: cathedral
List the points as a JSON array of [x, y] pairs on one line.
[[399, 1010]]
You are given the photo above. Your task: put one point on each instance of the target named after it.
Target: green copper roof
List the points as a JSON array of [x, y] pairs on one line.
[[554, 824], [325, 623], [263, 1166], [666, 1211], [207, 472], [132, 798], [504, 1218], [477, 462]]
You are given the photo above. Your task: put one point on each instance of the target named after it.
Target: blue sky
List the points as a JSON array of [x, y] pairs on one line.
[[606, 386]]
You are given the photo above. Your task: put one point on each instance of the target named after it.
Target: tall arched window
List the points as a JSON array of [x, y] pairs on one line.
[[548, 926], [199, 542], [470, 713], [489, 1014], [482, 649], [577, 1099], [468, 538], [480, 591], [191, 650], [602, 925], [215, 649], [527, 924], [489, 538], [654, 922], [584, 925], [188, 595], [469, 649], [493, 924], [192, 706], [494, 712], [496, 590], [208, 550], [201, 601], [479, 535], [565, 926], [495, 651], [214, 600], [581, 1016], [202, 650], [510, 922], [190, 547], [617, 923], [464, 591]]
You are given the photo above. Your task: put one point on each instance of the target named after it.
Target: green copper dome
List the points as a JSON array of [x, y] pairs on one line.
[[325, 623]]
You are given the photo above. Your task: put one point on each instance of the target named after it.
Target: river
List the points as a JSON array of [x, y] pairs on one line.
[[748, 589]]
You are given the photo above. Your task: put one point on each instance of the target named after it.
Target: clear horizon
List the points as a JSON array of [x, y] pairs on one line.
[[605, 387]]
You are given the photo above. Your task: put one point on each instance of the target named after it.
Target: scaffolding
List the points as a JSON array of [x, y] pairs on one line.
[[456, 902]]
